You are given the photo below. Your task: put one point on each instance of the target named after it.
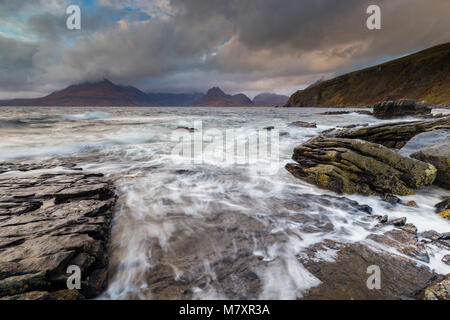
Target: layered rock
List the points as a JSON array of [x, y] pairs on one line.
[[356, 166], [391, 135], [439, 291], [400, 108], [439, 156], [49, 221]]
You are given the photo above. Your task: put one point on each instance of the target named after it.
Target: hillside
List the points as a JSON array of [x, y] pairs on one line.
[[421, 76], [215, 97]]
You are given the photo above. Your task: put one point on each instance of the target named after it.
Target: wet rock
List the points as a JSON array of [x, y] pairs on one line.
[[186, 128], [44, 295], [443, 205], [439, 156], [440, 291], [412, 204], [48, 222], [269, 128], [302, 124], [446, 259], [400, 222], [383, 219], [400, 108], [351, 126], [445, 214], [391, 135], [366, 112], [410, 228], [391, 199], [356, 166], [346, 277]]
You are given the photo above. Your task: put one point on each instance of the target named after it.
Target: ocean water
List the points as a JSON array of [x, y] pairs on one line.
[[223, 220]]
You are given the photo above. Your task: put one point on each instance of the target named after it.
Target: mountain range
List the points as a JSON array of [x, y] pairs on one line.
[[105, 93], [423, 76]]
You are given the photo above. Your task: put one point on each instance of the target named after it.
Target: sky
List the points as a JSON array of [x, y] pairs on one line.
[[248, 46]]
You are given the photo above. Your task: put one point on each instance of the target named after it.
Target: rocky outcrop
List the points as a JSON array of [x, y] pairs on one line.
[[302, 124], [391, 135], [346, 277], [440, 291], [439, 156], [400, 108], [49, 221], [356, 166]]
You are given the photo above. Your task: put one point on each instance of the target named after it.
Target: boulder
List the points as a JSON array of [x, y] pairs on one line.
[[302, 124], [400, 108], [49, 221], [356, 166], [443, 205], [439, 156], [391, 135]]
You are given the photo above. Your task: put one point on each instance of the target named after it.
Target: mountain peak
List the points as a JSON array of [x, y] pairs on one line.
[[215, 91], [216, 97]]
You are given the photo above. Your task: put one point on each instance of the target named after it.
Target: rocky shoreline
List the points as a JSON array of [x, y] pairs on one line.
[[51, 219], [54, 215]]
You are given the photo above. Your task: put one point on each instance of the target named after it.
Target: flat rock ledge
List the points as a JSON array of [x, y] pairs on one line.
[[48, 222], [355, 166], [391, 135], [400, 108]]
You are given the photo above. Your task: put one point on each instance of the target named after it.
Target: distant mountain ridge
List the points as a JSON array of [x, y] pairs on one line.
[[215, 97], [270, 99], [105, 93], [424, 75]]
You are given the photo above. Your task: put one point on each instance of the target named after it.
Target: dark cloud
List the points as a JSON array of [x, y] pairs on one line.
[[241, 45]]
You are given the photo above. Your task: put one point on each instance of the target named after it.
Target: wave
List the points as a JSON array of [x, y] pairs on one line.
[[12, 124], [86, 116]]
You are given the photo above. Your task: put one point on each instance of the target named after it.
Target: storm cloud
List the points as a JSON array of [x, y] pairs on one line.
[[191, 45]]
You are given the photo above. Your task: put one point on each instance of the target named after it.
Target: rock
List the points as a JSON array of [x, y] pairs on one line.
[[383, 219], [355, 166], [391, 199], [269, 128], [391, 135], [366, 112], [410, 228], [186, 128], [439, 156], [445, 214], [400, 108], [400, 222], [443, 205], [302, 124], [446, 259], [440, 291], [412, 204], [49, 221], [44, 295], [346, 277]]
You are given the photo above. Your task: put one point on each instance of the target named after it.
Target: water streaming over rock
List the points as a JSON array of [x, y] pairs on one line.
[[219, 227]]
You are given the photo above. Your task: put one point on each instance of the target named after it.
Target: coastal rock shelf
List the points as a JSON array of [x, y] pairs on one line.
[[49, 221], [357, 166], [391, 135]]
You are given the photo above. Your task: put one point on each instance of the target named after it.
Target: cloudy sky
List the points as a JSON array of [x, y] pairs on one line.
[[246, 46]]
